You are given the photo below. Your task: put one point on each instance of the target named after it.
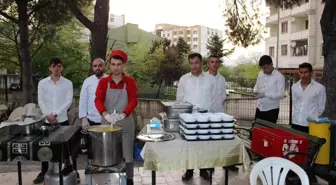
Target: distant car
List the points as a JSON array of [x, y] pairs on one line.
[[14, 87]]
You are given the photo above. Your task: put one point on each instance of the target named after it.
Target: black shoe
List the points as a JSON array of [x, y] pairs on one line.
[[39, 179], [187, 175], [232, 168], [205, 175], [130, 182], [78, 177]]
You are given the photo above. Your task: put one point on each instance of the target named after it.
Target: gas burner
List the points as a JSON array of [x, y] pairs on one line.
[[120, 168]]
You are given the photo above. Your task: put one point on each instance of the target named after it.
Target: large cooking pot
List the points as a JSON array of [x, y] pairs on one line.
[[104, 144]]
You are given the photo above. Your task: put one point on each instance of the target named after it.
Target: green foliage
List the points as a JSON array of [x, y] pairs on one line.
[[226, 72], [65, 45], [215, 46], [183, 47]]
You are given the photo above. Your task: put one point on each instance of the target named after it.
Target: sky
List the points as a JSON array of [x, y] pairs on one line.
[[147, 13]]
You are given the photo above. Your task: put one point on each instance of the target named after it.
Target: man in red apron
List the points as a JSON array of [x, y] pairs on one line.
[[116, 98]]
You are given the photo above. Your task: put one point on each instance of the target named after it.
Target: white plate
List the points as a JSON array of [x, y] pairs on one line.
[[203, 131], [205, 125], [227, 130], [189, 131], [190, 137], [228, 136], [216, 125], [228, 124], [215, 131], [216, 136], [202, 118], [215, 118], [203, 137], [190, 125]]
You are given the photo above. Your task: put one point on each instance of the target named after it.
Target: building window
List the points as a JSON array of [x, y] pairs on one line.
[[284, 50], [194, 46], [181, 32], [306, 24], [284, 27], [111, 19], [174, 32], [175, 39], [188, 32], [195, 39], [188, 39], [195, 32], [163, 35], [208, 33], [271, 51]]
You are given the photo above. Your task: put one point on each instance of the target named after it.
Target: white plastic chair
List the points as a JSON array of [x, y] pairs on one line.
[[273, 171]]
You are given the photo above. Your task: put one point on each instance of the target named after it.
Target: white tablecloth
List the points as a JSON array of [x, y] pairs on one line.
[[179, 154]]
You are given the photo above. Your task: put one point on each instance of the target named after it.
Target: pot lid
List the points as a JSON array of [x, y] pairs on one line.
[[156, 137]]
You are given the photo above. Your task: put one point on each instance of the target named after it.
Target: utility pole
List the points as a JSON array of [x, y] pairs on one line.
[[278, 42]]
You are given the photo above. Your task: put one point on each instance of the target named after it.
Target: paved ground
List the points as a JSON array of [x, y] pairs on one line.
[[143, 177]]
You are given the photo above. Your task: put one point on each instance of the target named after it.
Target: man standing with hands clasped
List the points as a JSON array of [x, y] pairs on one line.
[[270, 89], [309, 99], [118, 93], [87, 109], [55, 95], [220, 92], [197, 88]]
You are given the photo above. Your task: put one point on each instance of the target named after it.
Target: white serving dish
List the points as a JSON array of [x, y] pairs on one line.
[[202, 118], [216, 136], [207, 114], [189, 137], [203, 137], [216, 125], [203, 131], [215, 118], [219, 113], [227, 130], [227, 117], [190, 125], [228, 124], [215, 131], [195, 114], [204, 125], [190, 131], [228, 136]]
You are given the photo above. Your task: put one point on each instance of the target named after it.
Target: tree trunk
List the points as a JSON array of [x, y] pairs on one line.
[[328, 27], [99, 32], [25, 60]]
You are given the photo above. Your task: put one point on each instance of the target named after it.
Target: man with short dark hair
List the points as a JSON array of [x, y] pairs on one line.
[[55, 95], [269, 89], [197, 88], [309, 98]]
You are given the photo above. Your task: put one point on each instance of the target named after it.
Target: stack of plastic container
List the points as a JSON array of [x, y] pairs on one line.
[[206, 126]]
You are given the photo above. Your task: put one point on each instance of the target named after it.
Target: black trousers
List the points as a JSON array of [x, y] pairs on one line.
[[271, 115], [300, 128], [45, 165]]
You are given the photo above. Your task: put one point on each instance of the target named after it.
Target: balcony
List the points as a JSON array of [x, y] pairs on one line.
[[271, 39], [295, 61], [299, 35], [272, 19]]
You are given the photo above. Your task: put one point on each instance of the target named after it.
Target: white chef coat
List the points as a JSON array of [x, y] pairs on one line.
[[87, 107], [273, 87], [308, 103], [197, 90], [220, 92], [56, 97]]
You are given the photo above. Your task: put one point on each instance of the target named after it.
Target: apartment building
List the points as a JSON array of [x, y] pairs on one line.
[[300, 37], [196, 36]]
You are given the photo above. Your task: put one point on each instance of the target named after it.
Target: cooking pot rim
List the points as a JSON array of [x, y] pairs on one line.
[[90, 129]]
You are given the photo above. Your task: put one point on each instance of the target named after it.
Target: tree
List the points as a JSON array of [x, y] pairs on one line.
[[226, 72], [98, 27], [22, 14], [215, 46], [244, 29], [183, 47]]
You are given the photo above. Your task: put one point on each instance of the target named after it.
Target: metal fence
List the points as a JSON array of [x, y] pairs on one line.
[[240, 101]]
